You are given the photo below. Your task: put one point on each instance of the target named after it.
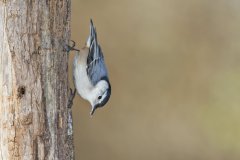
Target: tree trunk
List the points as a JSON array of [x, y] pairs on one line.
[[35, 122]]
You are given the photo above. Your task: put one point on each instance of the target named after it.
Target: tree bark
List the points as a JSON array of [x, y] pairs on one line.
[[35, 122]]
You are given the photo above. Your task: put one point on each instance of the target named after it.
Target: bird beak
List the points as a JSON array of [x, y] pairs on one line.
[[93, 110]]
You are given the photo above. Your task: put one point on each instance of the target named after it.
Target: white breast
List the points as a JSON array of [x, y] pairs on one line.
[[82, 83]]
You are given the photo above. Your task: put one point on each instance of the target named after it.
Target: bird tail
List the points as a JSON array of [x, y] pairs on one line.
[[95, 51], [92, 39]]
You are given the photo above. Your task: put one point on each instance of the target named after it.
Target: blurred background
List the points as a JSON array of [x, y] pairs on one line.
[[174, 67]]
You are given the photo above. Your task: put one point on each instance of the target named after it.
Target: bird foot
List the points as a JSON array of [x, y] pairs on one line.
[[69, 48], [71, 97]]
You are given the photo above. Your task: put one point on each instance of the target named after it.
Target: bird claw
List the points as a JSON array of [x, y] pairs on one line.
[[71, 97], [69, 48]]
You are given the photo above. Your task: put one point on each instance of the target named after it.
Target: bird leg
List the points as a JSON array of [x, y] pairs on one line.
[[69, 48], [71, 97]]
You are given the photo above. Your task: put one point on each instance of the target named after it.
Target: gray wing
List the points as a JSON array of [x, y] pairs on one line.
[[96, 68]]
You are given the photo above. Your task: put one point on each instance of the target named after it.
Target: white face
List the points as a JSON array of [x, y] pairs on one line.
[[99, 93]]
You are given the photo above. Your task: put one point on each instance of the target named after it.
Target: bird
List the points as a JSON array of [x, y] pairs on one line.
[[90, 74]]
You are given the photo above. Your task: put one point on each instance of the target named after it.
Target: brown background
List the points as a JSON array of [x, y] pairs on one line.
[[175, 73]]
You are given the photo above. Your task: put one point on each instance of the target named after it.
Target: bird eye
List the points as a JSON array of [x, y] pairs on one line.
[[99, 97]]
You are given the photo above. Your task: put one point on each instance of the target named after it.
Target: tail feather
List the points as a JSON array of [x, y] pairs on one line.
[[92, 43], [92, 36]]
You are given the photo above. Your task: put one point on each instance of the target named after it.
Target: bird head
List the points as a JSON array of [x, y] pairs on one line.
[[100, 95]]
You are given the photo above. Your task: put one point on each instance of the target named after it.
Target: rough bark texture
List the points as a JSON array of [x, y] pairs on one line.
[[34, 120]]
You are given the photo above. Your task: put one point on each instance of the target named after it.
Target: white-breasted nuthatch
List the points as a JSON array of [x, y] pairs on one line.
[[90, 73]]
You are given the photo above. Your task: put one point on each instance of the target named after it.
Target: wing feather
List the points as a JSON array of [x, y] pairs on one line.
[[96, 68]]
